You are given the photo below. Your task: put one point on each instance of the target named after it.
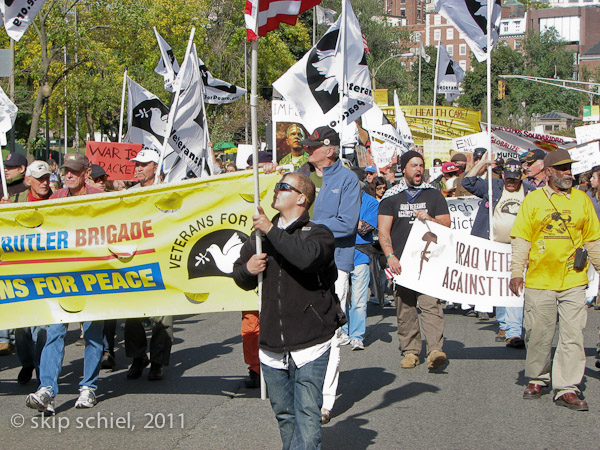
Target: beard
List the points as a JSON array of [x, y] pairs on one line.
[[563, 183]]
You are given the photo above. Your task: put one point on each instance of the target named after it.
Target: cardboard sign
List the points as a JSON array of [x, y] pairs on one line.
[[114, 158]]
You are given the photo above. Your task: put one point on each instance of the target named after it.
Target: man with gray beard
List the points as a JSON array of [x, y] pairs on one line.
[[554, 228]]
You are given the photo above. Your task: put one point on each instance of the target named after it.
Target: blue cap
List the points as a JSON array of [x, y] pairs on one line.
[[371, 169]]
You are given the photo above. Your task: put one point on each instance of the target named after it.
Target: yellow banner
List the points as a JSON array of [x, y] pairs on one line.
[[161, 250], [450, 122]]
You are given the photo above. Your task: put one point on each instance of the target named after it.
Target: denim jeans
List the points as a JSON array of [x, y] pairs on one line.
[[54, 352], [356, 309], [296, 397], [510, 320], [30, 343]]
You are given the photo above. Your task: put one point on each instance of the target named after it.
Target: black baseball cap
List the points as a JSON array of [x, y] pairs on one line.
[[533, 156], [479, 152], [322, 136], [513, 169], [15, 159]]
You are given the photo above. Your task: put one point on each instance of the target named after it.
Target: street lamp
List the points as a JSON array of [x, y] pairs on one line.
[[402, 55], [46, 91]]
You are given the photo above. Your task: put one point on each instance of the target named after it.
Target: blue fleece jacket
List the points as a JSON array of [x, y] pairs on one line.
[[338, 207]]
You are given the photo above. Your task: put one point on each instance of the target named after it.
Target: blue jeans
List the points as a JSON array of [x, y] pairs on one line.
[[30, 343], [510, 320], [54, 352], [356, 309], [296, 397]]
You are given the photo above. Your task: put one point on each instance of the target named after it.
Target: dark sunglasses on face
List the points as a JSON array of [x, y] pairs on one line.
[[286, 187]]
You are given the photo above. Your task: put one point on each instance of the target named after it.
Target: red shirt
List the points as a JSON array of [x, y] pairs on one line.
[[31, 198]]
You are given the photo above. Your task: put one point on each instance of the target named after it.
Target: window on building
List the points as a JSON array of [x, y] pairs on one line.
[[517, 45], [450, 49], [463, 64], [505, 27], [449, 34], [402, 13], [403, 1], [462, 49], [437, 19], [418, 14], [517, 27], [437, 35]]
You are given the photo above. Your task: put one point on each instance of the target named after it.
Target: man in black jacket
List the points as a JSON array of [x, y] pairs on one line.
[[299, 309]]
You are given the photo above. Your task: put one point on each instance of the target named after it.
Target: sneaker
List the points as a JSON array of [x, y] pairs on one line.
[[87, 398], [357, 344], [107, 361], [483, 316], [325, 416], [42, 401], [344, 339], [436, 359], [6, 348], [137, 367], [410, 361], [25, 375], [253, 380], [515, 342]]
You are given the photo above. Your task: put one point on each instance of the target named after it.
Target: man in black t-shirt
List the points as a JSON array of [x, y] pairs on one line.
[[413, 199]]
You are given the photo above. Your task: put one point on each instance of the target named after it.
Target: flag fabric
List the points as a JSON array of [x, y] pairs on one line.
[[271, 13], [215, 91], [402, 125], [167, 65], [365, 45], [8, 113], [470, 18], [18, 14], [423, 53], [218, 92], [449, 74], [325, 16], [386, 142], [189, 134], [313, 83]]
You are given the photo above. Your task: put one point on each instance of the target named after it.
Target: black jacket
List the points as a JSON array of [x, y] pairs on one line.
[[298, 302]]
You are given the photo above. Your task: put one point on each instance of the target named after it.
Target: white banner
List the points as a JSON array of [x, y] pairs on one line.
[[457, 267], [449, 75], [462, 212], [386, 142], [18, 14], [401, 124]]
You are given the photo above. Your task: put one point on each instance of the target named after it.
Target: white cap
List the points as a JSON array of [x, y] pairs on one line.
[[37, 169], [146, 155]]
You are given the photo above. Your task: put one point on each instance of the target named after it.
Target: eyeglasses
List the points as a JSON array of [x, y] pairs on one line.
[[380, 187], [287, 187]]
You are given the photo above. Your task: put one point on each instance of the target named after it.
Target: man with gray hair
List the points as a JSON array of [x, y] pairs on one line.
[[338, 208]]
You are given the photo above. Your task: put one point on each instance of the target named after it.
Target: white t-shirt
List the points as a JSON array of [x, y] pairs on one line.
[[505, 213]]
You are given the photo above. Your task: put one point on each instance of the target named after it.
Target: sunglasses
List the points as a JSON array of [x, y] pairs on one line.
[[287, 187]]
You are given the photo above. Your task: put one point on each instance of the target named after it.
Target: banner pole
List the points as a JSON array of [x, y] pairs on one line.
[[420, 57], [490, 5], [342, 87], [4, 187], [435, 85], [173, 109], [122, 105]]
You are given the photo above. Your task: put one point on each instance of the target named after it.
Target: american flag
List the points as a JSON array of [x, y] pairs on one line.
[[269, 14], [367, 49]]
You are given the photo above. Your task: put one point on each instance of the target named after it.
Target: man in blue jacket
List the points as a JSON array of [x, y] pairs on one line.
[[337, 207], [507, 196]]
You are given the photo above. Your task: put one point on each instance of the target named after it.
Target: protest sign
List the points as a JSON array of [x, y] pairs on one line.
[[457, 267], [470, 142], [160, 250], [114, 158], [588, 155], [436, 149], [462, 212], [288, 130]]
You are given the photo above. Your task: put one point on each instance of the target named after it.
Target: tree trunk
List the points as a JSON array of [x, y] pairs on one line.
[[90, 124], [35, 120]]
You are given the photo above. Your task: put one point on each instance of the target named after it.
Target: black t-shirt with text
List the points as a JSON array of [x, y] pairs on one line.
[[402, 211]]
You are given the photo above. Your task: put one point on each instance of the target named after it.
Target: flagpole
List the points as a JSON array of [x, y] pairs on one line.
[[342, 88], [490, 6], [314, 25], [435, 85], [173, 110], [2, 176], [254, 126], [122, 105], [420, 57]]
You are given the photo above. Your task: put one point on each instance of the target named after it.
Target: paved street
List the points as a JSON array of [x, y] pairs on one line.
[[202, 404]]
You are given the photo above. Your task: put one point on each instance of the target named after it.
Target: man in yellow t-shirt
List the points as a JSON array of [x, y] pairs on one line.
[[551, 224]]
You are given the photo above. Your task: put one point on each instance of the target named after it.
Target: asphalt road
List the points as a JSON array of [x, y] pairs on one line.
[[474, 403]]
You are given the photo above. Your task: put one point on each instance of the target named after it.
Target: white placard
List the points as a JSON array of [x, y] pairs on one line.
[[468, 143], [462, 212]]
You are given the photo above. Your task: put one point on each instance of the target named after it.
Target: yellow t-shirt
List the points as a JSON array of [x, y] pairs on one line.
[[552, 252]]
